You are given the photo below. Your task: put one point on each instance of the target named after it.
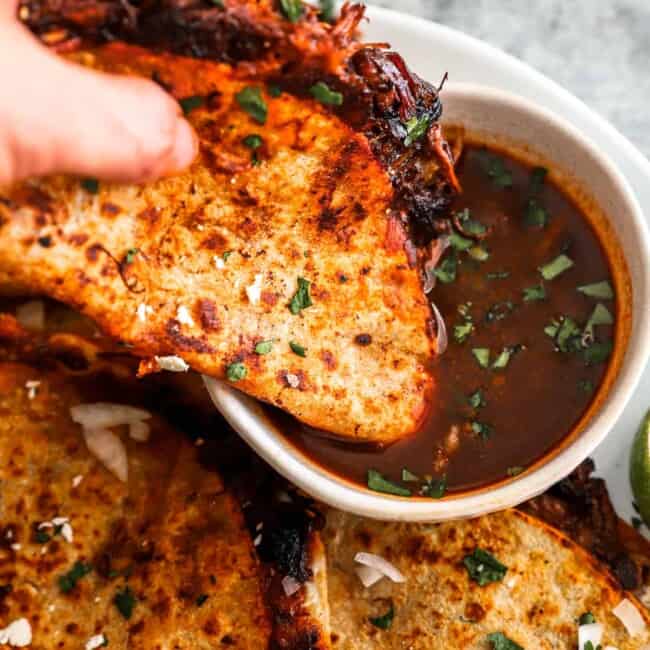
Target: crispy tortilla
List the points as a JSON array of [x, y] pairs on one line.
[[205, 265], [549, 584], [172, 535]]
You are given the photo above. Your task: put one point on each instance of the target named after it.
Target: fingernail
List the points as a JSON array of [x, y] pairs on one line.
[[186, 146]]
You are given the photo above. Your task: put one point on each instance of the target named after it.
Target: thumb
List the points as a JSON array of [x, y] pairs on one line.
[[59, 117]]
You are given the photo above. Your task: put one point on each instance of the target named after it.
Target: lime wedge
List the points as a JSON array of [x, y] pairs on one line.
[[640, 469]]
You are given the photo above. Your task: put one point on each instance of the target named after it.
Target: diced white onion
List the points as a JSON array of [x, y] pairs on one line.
[[96, 641], [610, 647], [441, 330], [17, 634], [629, 615], [590, 632], [139, 431], [254, 291], [368, 575], [290, 585], [31, 315], [103, 414], [382, 565], [109, 450], [172, 364]]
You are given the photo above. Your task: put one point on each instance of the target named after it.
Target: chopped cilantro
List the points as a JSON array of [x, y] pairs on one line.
[[130, 255], [597, 353], [236, 371], [503, 359], [325, 95], [535, 214], [586, 619], [590, 646], [408, 476], [253, 141], [476, 399], [226, 255], [292, 9], [201, 599], [462, 331], [537, 178], [482, 429], [498, 275], [586, 386], [416, 128], [91, 185], [42, 537], [478, 253], [327, 11], [446, 270], [274, 90], [460, 243], [298, 349], [552, 329], [496, 170], [435, 488], [68, 581], [470, 226], [250, 100], [515, 470], [601, 290], [500, 641], [568, 336], [483, 568], [384, 621], [499, 310], [125, 601], [555, 267], [482, 355], [532, 294], [264, 347], [189, 104], [600, 316], [301, 299], [378, 483]]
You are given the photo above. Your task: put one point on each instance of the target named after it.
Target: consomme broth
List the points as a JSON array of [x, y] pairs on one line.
[[530, 311]]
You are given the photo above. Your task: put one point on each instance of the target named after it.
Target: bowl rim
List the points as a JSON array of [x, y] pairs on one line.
[[246, 416]]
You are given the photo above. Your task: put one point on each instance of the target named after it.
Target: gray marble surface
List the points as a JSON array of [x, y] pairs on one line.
[[597, 49]]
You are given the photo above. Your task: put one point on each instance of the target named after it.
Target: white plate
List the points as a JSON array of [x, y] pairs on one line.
[[431, 50]]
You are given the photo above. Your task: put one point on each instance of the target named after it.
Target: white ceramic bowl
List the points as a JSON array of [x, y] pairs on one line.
[[509, 120]]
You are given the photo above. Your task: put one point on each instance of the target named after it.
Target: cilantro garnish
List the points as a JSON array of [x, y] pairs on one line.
[[532, 294], [378, 483], [460, 243], [298, 349], [408, 476], [130, 255], [125, 601], [68, 581], [482, 429], [274, 90], [91, 185], [385, 621], [446, 270], [482, 355], [478, 253], [537, 178], [301, 299], [601, 290], [483, 568], [201, 599], [292, 9], [476, 399], [586, 619], [236, 371], [325, 95], [264, 347], [500, 641], [597, 353], [496, 170], [253, 141], [535, 214], [435, 488], [189, 104], [515, 470], [462, 331], [499, 310], [503, 359], [416, 127], [555, 267], [250, 100]]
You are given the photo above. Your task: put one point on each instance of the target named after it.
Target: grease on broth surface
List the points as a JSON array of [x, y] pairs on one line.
[[526, 291]]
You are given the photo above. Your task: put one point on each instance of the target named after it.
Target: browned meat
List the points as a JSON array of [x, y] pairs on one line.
[[580, 506]]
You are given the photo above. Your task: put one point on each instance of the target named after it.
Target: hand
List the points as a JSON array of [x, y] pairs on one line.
[[56, 116]]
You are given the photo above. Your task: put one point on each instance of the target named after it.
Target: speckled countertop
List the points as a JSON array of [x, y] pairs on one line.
[[597, 49]]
